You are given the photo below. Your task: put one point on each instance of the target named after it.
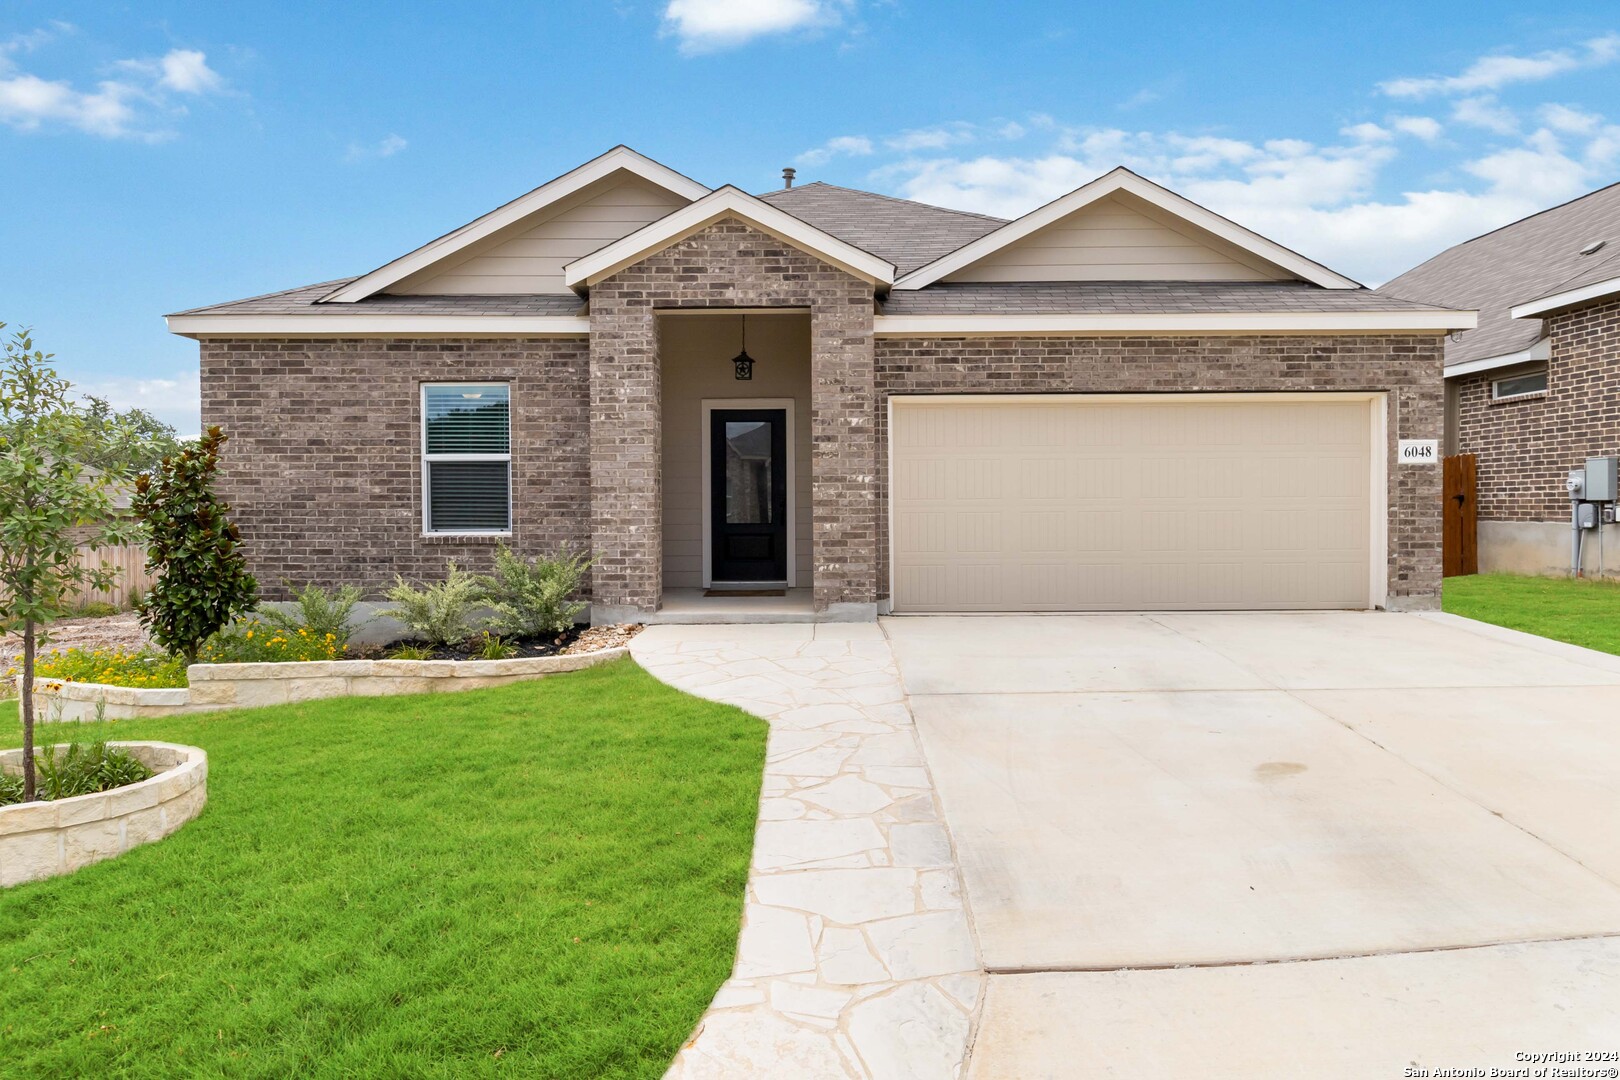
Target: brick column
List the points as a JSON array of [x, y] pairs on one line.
[[844, 465], [626, 480]]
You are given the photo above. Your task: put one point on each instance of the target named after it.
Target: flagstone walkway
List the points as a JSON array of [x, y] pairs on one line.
[[855, 959]]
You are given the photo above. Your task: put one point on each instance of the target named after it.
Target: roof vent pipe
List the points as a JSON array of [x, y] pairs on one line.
[[787, 178]]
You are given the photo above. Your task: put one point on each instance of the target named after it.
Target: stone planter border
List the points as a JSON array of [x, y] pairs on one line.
[[239, 686], [45, 839]]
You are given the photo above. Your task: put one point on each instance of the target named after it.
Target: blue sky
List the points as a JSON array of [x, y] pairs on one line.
[[165, 155]]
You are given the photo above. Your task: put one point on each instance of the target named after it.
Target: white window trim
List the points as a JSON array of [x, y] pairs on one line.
[[786, 405], [428, 459], [1497, 380]]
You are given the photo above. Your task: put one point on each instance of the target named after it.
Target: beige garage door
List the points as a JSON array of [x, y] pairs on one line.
[[1099, 504]]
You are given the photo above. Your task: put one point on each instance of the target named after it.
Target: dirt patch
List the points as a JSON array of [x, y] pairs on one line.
[[122, 631]]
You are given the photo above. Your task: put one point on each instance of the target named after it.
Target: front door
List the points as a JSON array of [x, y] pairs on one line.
[[748, 495]]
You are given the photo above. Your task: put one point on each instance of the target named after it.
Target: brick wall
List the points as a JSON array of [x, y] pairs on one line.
[[1526, 446], [730, 264], [1407, 368], [323, 466]]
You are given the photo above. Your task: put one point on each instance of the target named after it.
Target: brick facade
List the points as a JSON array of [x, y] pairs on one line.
[[323, 466], [1526, 446], [730, 264], [1407, 368]]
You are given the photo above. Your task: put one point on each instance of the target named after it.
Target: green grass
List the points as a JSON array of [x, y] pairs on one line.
[[541, 880], [1578, 611]]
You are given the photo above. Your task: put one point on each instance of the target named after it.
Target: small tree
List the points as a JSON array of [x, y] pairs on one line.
[[50, 503], [203, 580]]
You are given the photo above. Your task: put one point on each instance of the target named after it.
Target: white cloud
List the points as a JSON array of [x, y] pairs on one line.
[[709, 25], [841, 146], [1490, 73], [933, 138], [133, 105], [175, 400], [1365, 132], [387, 146], [1484, 112], [1426, 128], [1573, 121]]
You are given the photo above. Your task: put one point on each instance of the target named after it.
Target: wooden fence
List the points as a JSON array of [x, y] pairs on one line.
[[130, 559]]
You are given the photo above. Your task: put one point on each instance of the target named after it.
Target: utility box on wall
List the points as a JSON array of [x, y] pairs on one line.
[[1602, 479]]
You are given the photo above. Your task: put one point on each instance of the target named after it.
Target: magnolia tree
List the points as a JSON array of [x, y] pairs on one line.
[[203, 581], [51, 504]]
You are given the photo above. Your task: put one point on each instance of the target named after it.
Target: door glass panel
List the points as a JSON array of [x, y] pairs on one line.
[[748, 472]]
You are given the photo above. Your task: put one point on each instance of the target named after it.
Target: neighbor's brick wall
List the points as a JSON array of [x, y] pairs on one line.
[[730, 264], [1526, 447], [323, 466], [1406, 367]]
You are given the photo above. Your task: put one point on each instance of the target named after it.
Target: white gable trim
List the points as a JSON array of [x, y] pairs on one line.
[[1122, 179], [619, 159], [1113, 323], [1595, 291], [726, 202], [366, 324]]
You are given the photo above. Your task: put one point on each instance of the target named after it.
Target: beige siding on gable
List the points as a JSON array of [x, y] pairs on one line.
[[1120, 238], [529, 256]]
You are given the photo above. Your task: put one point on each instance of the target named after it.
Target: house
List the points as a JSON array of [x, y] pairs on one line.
[[1534, 389], [1117, 401]]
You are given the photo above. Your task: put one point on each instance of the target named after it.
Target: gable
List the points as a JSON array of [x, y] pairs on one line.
[[1120, 238], [528, 256]]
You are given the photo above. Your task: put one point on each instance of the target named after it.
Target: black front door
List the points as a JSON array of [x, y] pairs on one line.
[[748, 494]]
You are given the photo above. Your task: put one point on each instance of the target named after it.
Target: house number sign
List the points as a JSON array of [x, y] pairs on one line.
[[1417, 451]]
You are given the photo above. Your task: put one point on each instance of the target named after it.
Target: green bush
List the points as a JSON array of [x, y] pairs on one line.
[[324, 614], [410, 652], [441, 612], [81, 769], [492, 647], [203, 581], [531, 597], [144, 669], [94, 609]]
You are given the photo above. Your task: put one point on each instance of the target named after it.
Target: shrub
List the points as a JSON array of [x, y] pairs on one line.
[[530, 597], [324, 614], [94, 609], [204, 582], [254, 642], [143, 668], [441, 612], [491, 647], [411, 652], [81, 769]]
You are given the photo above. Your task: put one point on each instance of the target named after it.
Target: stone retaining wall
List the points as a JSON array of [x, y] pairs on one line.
[[44, 839], [239, 686]]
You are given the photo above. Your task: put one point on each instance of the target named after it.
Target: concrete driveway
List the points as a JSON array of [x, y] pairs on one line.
[[1328, 844]]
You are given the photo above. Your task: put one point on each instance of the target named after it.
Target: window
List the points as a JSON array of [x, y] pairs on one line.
[[467, 458], [1519, 384]]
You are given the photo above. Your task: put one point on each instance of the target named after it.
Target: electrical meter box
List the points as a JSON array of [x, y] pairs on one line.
[[1602, 479]]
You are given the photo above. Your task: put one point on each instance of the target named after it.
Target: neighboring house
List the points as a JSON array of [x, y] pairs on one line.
[[1535, 389], [1120, 400]]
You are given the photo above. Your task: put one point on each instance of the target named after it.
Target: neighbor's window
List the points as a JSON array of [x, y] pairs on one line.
[[467, 457], [1525, 382]]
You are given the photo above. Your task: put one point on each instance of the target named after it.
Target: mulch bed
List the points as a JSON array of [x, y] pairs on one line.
[[580, 639]]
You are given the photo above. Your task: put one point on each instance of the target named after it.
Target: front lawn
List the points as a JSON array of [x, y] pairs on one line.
[[1576, 610], [539, 880]]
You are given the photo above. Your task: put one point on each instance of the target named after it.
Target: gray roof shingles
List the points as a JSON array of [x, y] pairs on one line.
[[907, 234], [302, 301], [1524, 261]]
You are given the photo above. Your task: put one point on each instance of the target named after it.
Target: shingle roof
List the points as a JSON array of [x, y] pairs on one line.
[[1523, 261], [1134, 297], [908, 234], [301, 301]]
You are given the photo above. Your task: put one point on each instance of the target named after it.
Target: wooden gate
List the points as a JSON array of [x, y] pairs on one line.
[[1461, 517]]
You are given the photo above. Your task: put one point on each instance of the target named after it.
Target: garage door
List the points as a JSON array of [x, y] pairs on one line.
[[1162, 502]]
